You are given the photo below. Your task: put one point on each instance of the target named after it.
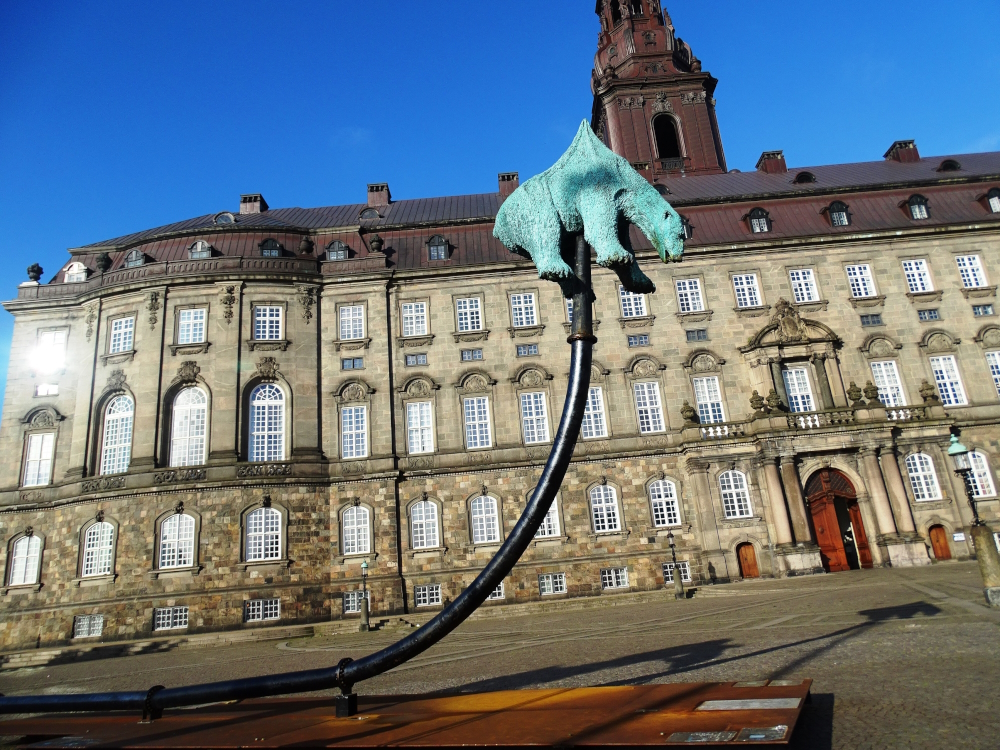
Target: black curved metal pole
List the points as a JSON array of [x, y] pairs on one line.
[[348, 673]]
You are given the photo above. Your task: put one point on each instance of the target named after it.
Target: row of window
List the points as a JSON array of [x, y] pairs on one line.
[[176, 618]]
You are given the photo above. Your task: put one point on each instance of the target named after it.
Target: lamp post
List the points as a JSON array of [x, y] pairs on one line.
[[678, 584], [364, 597], [982, 535]]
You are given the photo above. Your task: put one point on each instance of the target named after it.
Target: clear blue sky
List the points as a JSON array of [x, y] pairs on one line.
[[121, 116]]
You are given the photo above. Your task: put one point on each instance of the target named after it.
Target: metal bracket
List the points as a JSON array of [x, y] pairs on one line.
[[151, 713]]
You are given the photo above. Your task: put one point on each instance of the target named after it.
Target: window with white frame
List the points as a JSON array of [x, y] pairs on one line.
[[604, 509], [75, 272], [485, 520], [497, 594], [98, 549], [263, 535], [357, 531], [337, 250], [735, 494], [668, 572], [424, 525], [663, 500], [993, 198], [800, 397], [88, 626], [890, 387], [860, 279], [522, 310], [552, 583], [122, 332], [188, 430], [709, 399], [760, 222], [352, 322], [50, 354], [970, 268], [47, 389], [353, 599], [918, 277], [470, 316], [993, 361], [414, 319], [633, 305], [648, 408], [38, 459], [804, 285], [260, 610], [427, 596], [200, 250], [419, 429], [477, 422], [267, 321], [614, 578], [534, 420], [839, 215], [267, 423], [116, 449], [569, 311], [923, 477], [550, 524], [948, 382], [170, 618], [191, 326], [689, 297], [177, 541], [918, 208], [354, 432], [981, 478], [135, 259], [24, 558], [594, 423], [747, 291]]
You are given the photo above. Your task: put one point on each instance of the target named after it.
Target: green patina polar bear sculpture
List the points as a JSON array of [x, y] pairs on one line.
[[594, 190]]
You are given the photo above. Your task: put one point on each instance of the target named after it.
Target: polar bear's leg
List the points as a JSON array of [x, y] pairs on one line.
[[633, 279], [544, 248], [600, 228]]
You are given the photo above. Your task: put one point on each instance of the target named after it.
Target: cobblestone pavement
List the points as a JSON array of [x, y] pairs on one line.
[[904, 658]]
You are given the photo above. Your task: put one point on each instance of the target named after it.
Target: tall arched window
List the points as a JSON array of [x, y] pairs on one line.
[[263, 535], [735, 494], [267, 423], [668, 145], [134, 259], [918, 208], [485, 520], [187, 435], [23, 565], [116, 451], [981, 478], [923, 478], [663, 499], [604, 509], [357, 531], [177, 542], [98, 549], [424, 525], [437, 248]]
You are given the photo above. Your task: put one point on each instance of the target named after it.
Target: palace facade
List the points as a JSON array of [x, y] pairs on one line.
[[214, 423]]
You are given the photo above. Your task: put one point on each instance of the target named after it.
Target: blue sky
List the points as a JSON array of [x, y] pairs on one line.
[[120, 116]]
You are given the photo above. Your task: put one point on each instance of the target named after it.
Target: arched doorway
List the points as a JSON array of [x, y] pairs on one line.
[[836, 521], [939, 542], [747, 558]]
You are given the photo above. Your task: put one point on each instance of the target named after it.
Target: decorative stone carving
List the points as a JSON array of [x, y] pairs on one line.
[[376, 244], [929, 394], [228, 300], [881, 348], [644, 368], [100, 516], [267, 368], [91, 319], [649, 37], [532, 378], [939, 342], [353, 392], [264, 470], [991, 337], [43, 419], [476, 384], [790, 325], [757, 404], [307, 298], [419, 389], [773, 400], [689, 413], [104, 483], [35, 272], [103, 262], [29, 530], [704, 363], [631, 102], [179, 475], [179, 508], [871, 393], [854, 393], [612, 52], [415, 463], [693, 97], [479, 458], [188, 372], [662, 104], [306, 246], [116, 381], [153, 308], [354, 467]]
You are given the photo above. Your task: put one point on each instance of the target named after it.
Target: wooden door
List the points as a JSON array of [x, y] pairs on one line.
[[827, 528], [748, 561], [939, 543], [864, 551]]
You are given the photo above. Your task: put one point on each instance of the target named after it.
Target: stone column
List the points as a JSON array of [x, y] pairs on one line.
[[779, 382], [823, 379], [876, 488], [779, 513], [704, 505], [897, 492], [796, 501]]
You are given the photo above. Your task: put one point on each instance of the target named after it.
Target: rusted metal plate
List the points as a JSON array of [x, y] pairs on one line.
[[675, 715]]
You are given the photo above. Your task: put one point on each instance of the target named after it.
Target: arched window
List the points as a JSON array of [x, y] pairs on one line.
[[424, 525], [981, 478], [357, 531], [187, 435], [735, 494], [134, 258], [760, 221], [225, 218], [337, 250], [839, 215], [993, 198], [663, 499], [267, 423], [270, 248], [75, 273], [919, 208], [98, 549], [665, 134], [263, 530], [616, 13], [437, 248], [804, 178], [177, 542], [370, 213], [23, 566], [923, 478], [200, 250], [604, 509], [116, 451], [485, 520], [949, 165]]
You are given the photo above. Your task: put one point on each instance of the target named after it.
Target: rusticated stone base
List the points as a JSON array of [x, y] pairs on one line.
[[798, 560]]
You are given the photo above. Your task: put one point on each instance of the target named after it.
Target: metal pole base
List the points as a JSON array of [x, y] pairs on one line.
[[347, 705], [678, 585]]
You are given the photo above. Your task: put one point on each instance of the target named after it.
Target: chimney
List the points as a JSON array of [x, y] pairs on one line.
[[904, 152], [252, 203], [772, 162], [508, 184], [378, 194]]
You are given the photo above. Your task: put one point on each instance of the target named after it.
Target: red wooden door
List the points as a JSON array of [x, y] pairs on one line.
[[864, 551], [748, 561], [939, 543], [831, 544]]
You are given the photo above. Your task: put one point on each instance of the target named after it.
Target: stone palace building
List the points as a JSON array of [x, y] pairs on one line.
[[213, 423]]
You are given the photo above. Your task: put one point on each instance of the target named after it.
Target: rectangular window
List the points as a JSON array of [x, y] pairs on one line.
[[170, 618], [352, 322], [918, 278], [759, 225], [698, 334], [641, 339], [594, 423], [747, 291], [522, 309], [569, 311], [469, 314], [352, 363], [970, 267], [800, 398], [804, 285], [47, 389], [472, 355], [993, 361], [550, 524], [689, 297], [647, 404], [51, 353], [355, 432], [415, 319], [709, 399], [38, 464], [427, 596], [267, 323], [416, 360], [668, 572], [497, 594], [839, 218], [191, 326], [890, 388], [259, 610], [614, 578], [419, 433], [533, 418], [633, 305], [352, 601], [552, 583], [122, 330], [527, 350], [477, 422], [88, 626], [874, 319], [925, 316], [918, 211], [948, 381], [860, 279], [982, 310]]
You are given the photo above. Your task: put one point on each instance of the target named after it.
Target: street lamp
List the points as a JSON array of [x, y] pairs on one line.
[[364, 597], [678, 584], [982, 535]]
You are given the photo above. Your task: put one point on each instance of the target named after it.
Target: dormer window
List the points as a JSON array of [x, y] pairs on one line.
[[134, 259], [200, 250], [370, 213], [270, 248], [337, 250], [950, 165], [76, 273], [225, 218], [993, 199], [688, 230], [760, 221], [918, 208], [804, 178], [839, 215], [437, 248]]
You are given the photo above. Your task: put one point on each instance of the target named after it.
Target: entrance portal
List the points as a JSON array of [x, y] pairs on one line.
[[939, 543], [747, 559], [836, 520]]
